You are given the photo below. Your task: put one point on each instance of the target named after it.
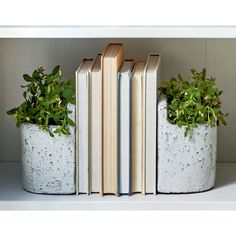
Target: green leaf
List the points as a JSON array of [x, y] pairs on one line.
[[71, 81], [32, 89], [71, 122], [65, 131], [23, 106], [186, 131], [55, 71], [72, 101], [27, 78], [24, 95], [35, 75], [222, 120], [193, 125], [180, 77], [12, 111], [68, 93], [32, 110], [50, 79], [18, 123], [204, 73], [50, 133]]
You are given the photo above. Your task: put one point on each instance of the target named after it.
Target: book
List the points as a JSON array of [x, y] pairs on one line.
[[82, 130], [137, 152], [151, 78], [111, 61], [95, 120], [124, 127]]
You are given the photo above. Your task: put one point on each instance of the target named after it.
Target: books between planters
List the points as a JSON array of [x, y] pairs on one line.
[[116, 122]]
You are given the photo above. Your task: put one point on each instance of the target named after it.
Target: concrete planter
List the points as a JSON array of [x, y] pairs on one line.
[[185, 164], [48, 163]]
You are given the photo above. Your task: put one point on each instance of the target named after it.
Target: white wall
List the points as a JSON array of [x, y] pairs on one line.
[[19, 56]]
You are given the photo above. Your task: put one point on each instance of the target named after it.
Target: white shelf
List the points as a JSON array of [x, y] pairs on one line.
[[117, 32], [13, 197]]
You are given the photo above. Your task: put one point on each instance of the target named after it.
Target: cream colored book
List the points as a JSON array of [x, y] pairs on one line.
[[151, 83], [95, 118], [82, 130], [111, 61], [137, 144]]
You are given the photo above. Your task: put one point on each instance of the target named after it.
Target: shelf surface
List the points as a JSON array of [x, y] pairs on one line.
[[117, 32], [13, 197]]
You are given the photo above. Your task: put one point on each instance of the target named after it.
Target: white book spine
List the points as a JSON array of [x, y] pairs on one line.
[[144, 160], [77, 134], [124, 137], [83, 103], [96, 131], [151, 103]]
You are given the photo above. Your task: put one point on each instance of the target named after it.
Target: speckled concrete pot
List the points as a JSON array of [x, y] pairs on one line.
[[185, 164], [48, 163]]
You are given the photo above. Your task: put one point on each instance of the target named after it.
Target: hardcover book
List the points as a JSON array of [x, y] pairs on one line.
[[137, 140], [95, 125], [111, 61], [151, 79], [124, 128], [82, 129]]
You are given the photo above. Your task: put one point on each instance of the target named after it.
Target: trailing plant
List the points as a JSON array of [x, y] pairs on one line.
[[45, 101], [194, 101]]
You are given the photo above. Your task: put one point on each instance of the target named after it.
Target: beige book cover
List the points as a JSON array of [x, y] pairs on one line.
[[111, 61], [95, 124], [137, 144]]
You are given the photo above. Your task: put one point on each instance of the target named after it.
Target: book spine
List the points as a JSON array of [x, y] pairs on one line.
[[144, 129], [102, 97], [88, 80], [156, 162], [130, 130], [119, 134], [76, 136]]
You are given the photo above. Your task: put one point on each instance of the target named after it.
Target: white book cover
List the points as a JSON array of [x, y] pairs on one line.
[[82, 120], [95, 126], [124, 127], [152, 78]]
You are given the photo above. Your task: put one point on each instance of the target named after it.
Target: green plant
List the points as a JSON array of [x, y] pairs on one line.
[[45, 101], [193, 101]]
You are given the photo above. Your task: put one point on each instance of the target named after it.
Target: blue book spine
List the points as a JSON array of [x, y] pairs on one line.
[[129, 164]]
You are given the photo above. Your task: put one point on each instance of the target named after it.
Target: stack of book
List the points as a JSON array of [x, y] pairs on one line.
[[116, 119]]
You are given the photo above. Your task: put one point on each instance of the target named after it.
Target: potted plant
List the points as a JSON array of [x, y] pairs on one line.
[[46, 118], [188, 114]]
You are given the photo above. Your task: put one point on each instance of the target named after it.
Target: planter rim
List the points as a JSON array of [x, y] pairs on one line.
[[198, 125], [52, 128], [33, 124]]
